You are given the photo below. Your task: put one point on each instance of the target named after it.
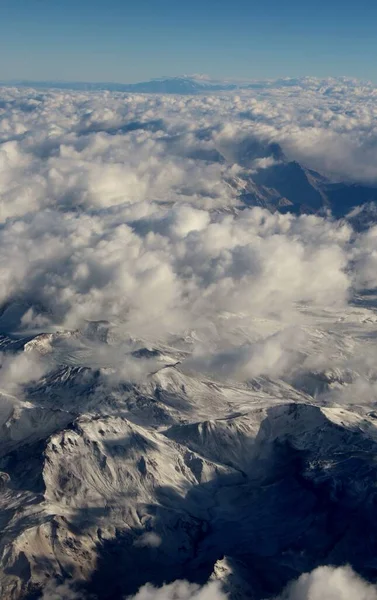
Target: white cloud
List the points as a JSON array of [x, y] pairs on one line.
[[119, 207], [324, 583], [330, 583], [17, 370], [274, 356], [181, 590]]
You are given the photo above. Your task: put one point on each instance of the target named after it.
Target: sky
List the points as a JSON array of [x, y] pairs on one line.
[[135, 40]]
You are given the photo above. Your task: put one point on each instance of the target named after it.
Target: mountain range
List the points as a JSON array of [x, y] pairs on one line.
[[178, 85], [178, 477], [288, 186]]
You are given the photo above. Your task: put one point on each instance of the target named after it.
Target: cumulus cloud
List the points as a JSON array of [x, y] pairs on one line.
[[272, 356], [324, 583], [126, 208], [82, 266], [17, 370], [180, 590], [330, 583]]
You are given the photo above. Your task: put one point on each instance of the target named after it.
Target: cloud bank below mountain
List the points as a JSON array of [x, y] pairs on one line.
[[124, 208]]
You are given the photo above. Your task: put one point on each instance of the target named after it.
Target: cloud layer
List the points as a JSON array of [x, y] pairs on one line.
[[125, 208], [328, 583], [324, 583]]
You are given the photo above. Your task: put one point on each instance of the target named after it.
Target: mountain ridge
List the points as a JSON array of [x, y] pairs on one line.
[[184, 84]]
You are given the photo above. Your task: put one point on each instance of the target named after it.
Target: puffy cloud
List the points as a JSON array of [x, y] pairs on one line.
[[124, 207], [181, 590], [162, 272], [17, 370], [274, 356], [330, 583], [324, 583]]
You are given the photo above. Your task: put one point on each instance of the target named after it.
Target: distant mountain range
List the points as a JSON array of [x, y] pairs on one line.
[[171, 85]]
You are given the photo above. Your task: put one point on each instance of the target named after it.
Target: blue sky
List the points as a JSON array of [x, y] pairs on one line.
[[135, 40]]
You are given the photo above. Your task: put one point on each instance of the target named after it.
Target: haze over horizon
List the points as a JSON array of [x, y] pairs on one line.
[[131, 42]]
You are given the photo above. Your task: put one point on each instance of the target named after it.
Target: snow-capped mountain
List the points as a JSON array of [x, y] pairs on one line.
[[108, 485], [289, 186]]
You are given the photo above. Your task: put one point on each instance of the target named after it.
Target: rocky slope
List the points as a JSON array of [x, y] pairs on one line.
[[108, 486]]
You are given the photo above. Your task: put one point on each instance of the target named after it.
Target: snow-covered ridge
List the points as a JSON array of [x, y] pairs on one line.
[[175, 472]]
